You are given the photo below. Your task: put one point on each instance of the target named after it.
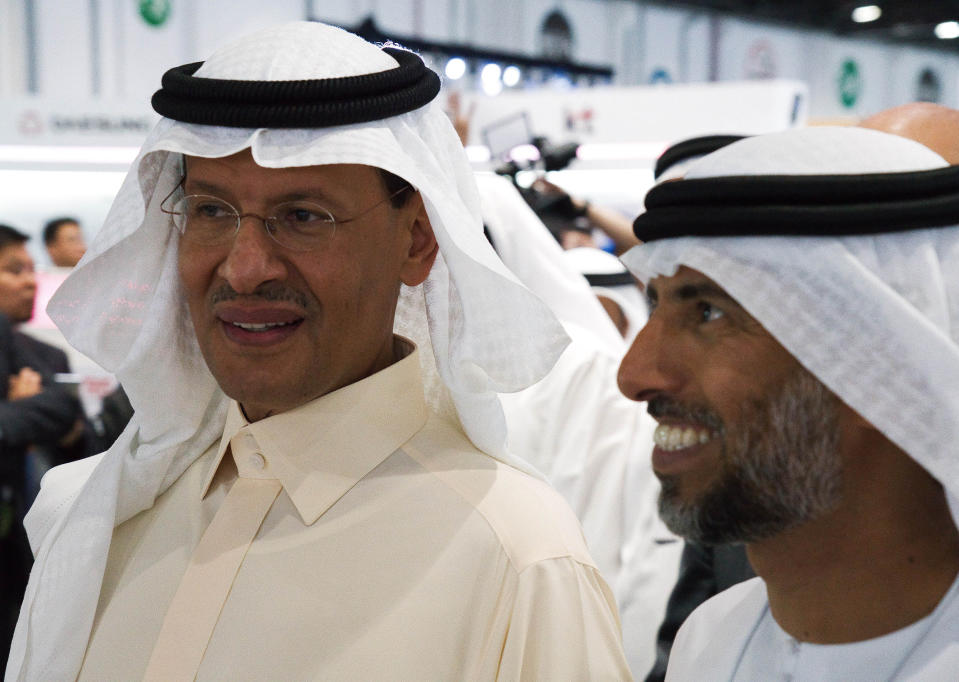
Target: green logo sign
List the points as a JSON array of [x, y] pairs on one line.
[[850, 83], [155, 12]]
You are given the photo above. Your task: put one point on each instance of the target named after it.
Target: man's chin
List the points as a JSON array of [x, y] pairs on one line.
[[679, 515], [701, 520]]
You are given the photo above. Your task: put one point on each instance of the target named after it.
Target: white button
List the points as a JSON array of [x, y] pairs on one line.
[[257, 461]]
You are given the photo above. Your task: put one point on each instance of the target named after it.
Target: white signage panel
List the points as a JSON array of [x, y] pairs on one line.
[[42, 121]]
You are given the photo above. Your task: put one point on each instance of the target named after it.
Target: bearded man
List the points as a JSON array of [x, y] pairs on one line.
[[801, 360], [289, 501]]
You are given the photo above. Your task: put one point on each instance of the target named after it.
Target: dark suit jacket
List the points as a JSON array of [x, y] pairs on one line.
[[703, 573], [44, 358], [41, 419]]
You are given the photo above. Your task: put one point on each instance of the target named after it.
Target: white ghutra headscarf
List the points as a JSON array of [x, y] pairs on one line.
[[874, 317], [123, 307]]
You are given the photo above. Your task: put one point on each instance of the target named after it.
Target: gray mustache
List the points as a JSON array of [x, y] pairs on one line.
[[264, 293], [663, 406]]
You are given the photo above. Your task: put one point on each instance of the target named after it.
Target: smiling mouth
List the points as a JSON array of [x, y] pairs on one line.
[[263, 333], [671, 437], [262, 327]]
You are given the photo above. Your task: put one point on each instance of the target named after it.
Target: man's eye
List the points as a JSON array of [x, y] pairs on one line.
[[209, 210], [301, 215], [708, 312]]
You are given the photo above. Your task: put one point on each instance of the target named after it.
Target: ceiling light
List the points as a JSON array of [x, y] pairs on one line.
[[947, 30], [455, 68], [491, 72], [490, 79], [866, 13], [512, 76]]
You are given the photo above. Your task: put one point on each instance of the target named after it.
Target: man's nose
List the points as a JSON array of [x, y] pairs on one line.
[[652, 365], [253, 259]]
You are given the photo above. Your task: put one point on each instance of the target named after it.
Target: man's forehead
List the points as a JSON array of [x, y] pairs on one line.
[[686, 279]]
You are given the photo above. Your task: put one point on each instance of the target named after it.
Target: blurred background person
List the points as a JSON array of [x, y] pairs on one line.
[[37, 417], [614, 286], [18, 288], [64, 242]]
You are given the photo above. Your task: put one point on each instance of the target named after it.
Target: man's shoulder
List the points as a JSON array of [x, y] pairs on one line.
[[529, 519], [53, 358], [717, 630], [58, 489]]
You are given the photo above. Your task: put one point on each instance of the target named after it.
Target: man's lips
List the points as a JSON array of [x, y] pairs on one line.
[[258, 325], [673, 436], [678, 445]]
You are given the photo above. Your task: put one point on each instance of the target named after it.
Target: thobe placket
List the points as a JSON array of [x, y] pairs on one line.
[[196, 607]]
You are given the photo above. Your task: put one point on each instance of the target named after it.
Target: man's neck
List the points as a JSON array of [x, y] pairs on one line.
[[881, 561], [397, 349]]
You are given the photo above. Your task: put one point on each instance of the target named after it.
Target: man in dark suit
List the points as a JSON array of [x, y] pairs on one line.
[[29, 415], [53, 415], [34, 412]]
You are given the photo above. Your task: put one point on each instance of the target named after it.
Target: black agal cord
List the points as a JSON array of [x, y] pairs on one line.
[[316, 103], [801, 205]]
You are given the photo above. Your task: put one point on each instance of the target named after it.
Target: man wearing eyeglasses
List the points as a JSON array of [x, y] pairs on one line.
[[294, 289], [276, 292]]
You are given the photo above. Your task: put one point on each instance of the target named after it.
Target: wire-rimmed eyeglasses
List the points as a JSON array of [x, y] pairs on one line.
[[300, 225]]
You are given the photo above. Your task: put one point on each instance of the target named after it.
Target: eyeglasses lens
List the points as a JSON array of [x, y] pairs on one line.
[[297, 225]]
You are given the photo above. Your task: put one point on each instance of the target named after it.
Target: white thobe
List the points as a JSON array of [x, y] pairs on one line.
[[734, 637], [355, 537], [574, 426], [594, 445]]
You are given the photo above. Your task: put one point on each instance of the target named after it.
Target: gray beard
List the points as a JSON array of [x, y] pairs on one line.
[[780, 469]]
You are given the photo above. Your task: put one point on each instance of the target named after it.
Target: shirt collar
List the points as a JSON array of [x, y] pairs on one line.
[[320, 450]]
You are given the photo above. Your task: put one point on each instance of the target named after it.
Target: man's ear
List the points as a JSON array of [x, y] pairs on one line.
[[423, 247]]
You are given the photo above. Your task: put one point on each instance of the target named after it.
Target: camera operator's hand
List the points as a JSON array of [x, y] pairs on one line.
[[544, 186], [25, 384], [616, 226]]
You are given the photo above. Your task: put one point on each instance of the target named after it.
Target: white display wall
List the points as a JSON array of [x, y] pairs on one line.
[[75, 97], [107, 47]]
